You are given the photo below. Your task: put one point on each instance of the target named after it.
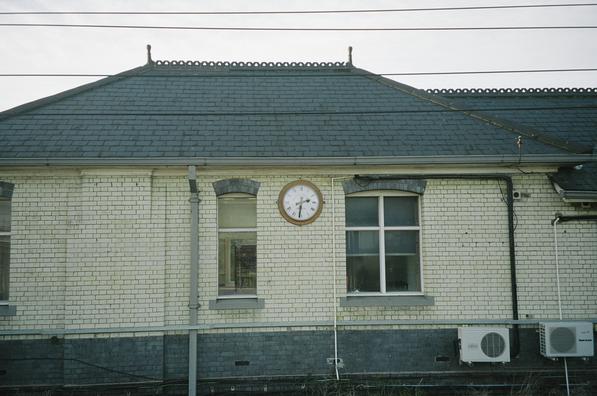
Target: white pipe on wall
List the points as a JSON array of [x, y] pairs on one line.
[[333, 197], [335, 324], [555, 242]]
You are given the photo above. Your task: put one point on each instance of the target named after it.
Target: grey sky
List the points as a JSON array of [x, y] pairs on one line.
[[107, 51]]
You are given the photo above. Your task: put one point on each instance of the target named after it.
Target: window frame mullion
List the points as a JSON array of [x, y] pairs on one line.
[[382, 246]]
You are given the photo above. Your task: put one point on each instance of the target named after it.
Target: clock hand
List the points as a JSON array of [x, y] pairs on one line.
[[300, 209]]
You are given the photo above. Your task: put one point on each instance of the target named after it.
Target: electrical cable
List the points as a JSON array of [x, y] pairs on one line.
[[315, 113], [297, 29], [84, 363], [357, 11], [352, 74]]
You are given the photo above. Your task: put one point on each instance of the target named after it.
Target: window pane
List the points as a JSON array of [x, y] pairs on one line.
[[361, 212], [363, 273], [362, 261], [402, 273], [401, 211], [402, 261], [237, 262], [402, 242], [362, 243], [4, 266], [4, 216], [238, 212]]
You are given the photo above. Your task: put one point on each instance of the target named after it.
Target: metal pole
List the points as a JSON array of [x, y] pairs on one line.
[[193, 284]]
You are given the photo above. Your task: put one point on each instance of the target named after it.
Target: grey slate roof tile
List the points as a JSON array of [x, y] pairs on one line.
[[160, 111], [575, 126]]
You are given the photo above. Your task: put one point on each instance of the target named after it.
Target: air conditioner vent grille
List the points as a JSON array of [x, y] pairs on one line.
[[493, 345], [563, 339]]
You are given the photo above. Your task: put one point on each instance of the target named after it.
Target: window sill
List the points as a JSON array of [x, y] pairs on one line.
[[385, 301], [237, 303], [8, 310]]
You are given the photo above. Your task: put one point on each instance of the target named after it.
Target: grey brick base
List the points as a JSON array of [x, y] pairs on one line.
[[253, 354]]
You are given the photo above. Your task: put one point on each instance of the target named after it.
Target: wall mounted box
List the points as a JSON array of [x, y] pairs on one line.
[[566, 339], [484, 344]]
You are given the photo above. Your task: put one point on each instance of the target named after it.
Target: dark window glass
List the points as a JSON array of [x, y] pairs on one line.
[[4, 266], [400, 211], [362, 212], [4, 216]]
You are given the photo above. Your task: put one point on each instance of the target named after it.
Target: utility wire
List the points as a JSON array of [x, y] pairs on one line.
[[297, 29], [305, 75], [296, 113], [108, 369], [358, 11]]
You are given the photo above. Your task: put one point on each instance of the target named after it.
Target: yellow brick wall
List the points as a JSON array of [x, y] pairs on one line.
[[111, 248]]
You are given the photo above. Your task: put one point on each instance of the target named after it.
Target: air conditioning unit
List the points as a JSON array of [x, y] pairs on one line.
[[484, 344], [566, 339]]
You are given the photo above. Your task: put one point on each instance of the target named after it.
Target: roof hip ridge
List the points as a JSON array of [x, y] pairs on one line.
[[501, 123]]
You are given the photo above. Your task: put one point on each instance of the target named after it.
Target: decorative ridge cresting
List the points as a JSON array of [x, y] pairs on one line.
[[514, 91], [260, 65]]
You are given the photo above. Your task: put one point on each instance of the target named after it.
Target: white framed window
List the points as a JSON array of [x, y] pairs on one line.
[[383, 243], [5, 233], [237, 245]]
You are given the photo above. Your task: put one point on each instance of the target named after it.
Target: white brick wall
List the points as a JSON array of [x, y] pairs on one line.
[[111, 248]]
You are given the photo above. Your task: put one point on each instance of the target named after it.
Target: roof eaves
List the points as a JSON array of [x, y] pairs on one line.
[[72, 92], [488, 119], [464, 160]]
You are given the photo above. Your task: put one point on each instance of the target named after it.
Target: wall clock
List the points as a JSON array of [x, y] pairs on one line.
[[300, 202]]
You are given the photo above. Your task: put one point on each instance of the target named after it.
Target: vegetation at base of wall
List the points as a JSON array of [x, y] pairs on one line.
[[529, 386]]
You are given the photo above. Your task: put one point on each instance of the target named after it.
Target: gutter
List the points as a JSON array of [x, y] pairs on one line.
[[563, 219], [515, 351], [511, 160], [573, 196]]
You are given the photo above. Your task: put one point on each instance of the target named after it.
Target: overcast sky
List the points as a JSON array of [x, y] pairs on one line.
[[108, 51]]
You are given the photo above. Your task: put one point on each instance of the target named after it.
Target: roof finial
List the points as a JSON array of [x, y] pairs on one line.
[[149, 60], [350, 56]]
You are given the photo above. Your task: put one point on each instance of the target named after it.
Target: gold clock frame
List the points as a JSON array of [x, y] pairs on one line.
[[281, 202]]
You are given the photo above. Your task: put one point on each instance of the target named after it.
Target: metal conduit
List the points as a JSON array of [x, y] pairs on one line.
[[515, 350], [562, 219]]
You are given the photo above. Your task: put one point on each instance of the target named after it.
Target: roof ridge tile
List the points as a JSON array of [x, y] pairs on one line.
[[512, 91], [260, 65]]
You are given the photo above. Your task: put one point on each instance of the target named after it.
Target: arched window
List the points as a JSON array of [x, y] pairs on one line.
[[383, 243], [5, 233], [237, 245], [237, 237]]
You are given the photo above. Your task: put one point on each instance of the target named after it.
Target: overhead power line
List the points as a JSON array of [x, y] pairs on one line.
[[278, 75], [297, 29], [358, 11], [301, 113]]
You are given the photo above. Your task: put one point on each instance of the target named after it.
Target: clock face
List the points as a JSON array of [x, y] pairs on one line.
[[300, 202]]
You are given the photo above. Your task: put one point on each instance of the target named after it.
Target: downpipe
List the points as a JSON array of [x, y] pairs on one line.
[[193, 282], [515, 350]]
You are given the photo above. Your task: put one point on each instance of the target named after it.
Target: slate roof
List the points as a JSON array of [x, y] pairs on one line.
[[236, 110], [574, 122]]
